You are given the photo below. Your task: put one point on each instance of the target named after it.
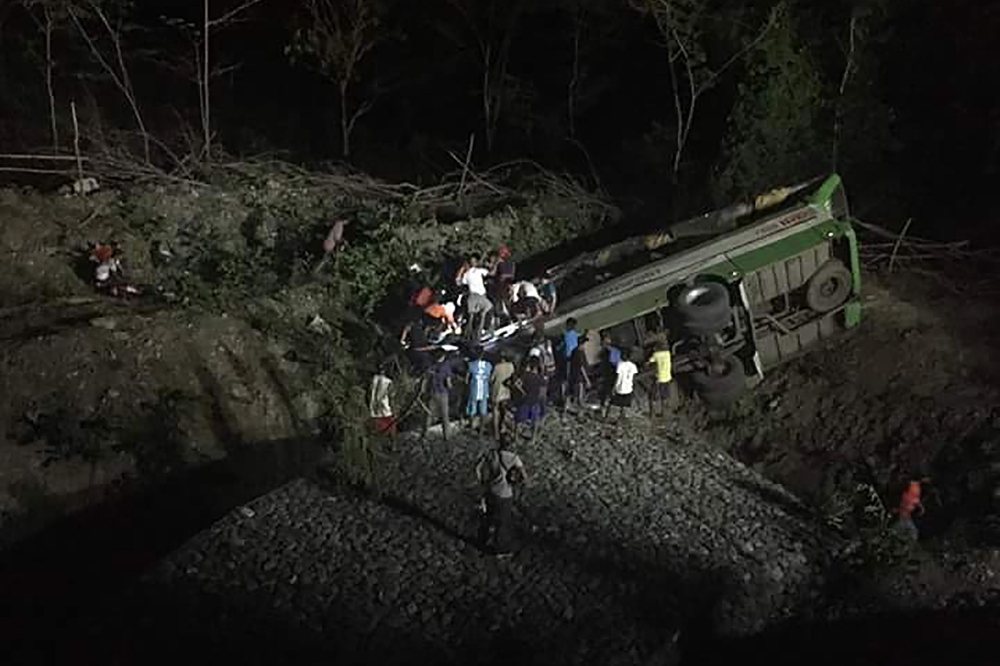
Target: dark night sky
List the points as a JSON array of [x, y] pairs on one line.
[[937, 71]]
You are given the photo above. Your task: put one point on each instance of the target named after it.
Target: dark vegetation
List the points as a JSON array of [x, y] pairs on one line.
[[673, 101]]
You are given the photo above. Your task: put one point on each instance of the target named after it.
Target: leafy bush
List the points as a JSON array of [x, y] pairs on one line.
[[251, 240], [880, 545], [772, 138]]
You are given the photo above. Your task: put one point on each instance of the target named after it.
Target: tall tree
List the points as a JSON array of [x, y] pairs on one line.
[[48, 16], [491, 26], [862, 134], [776, 134], [335, 37], [199, 68], [695, 61], [102, 25]]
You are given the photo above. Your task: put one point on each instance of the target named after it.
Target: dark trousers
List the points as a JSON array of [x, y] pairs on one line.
[[664, 396], [498, 520], [438, 403]]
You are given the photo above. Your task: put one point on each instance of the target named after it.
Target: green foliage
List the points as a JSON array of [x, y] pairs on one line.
[[372, 264], [865, 122], [880, 544], [343, 381], [774, 136], [250, 242]]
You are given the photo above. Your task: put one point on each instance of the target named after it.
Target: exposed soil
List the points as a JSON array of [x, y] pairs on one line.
[[911, 394], [97, 393], [99, 401]]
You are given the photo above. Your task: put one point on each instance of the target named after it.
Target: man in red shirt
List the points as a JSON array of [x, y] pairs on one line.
[[908, 503]]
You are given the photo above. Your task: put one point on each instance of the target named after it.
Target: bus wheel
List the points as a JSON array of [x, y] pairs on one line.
[[722, 385], [704, 308], [829, 287]]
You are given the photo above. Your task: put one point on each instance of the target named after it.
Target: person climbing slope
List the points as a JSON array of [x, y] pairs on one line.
[[909, 502]]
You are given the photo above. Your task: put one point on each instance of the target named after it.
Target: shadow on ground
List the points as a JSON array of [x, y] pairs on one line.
[[897, 639], [70, 595], [69, 572]]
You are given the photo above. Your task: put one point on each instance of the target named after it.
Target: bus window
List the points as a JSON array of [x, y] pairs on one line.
[[624, 335], [652, 322]]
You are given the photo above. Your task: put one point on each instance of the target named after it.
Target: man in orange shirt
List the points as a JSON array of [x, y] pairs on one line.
[[442, 312]]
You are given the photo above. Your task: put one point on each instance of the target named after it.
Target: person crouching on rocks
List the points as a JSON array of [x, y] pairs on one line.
[[108, 272], [499, 472]]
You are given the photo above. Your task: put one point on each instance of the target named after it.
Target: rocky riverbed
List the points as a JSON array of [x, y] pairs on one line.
[[632, 537]]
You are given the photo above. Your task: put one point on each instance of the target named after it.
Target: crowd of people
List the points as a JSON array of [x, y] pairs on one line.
[[509, 391], [481, 298]]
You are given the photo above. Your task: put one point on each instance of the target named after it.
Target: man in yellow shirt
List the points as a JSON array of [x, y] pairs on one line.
[[665, 391]]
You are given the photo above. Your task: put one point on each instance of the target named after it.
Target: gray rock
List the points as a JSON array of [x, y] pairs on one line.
[[107, 323]]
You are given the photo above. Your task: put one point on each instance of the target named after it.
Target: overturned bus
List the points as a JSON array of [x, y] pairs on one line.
[[741, 289]]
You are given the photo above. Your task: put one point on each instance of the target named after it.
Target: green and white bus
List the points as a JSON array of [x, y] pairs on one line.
[[776, 276]]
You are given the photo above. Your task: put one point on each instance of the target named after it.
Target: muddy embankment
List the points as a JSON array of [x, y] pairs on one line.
[[913, 394], [241, 336]]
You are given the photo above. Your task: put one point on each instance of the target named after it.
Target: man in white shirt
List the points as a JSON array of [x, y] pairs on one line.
[[477, 304], [621, 395], [378, 404]]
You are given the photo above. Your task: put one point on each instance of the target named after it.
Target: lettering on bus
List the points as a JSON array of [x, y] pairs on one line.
[[787, 221]]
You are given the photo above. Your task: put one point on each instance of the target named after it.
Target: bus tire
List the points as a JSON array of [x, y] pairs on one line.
[[704, 308], [829, 286], [722, 386]]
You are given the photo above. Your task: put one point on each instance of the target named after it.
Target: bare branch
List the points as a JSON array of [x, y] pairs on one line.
[[230, 15], [839, 111], [849, 67], [13, 156], [749, 46], [337, 36], [120, 76]]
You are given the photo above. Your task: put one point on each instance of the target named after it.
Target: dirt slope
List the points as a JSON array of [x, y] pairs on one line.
[[912, 394]]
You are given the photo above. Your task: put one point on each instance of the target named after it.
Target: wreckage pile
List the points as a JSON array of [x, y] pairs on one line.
[[884, 249]]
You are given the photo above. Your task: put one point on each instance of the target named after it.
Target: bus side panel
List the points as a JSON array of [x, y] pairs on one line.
[[782, 277]]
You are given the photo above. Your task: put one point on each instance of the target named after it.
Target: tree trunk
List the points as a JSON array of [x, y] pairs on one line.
[[48, 80], [838, 114], [345, 124], [487, 103], [575, 78], [206, 111]]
